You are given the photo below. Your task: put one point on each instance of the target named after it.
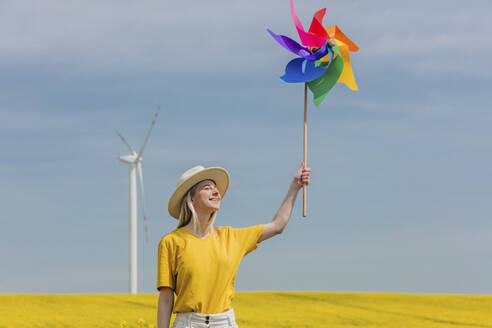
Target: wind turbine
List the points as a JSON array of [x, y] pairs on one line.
[[134, 161]]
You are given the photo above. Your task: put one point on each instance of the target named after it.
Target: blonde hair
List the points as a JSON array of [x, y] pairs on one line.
[[187, 212]]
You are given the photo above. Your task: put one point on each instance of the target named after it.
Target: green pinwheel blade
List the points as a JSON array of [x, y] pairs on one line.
[[322, 85]]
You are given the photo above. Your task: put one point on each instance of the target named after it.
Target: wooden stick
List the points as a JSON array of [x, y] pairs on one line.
[[304, 187]]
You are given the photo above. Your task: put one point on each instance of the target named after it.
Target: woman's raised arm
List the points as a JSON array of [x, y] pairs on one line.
[[281, 218]]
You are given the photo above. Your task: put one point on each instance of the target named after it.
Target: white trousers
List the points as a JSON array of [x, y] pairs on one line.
[[200, 320]]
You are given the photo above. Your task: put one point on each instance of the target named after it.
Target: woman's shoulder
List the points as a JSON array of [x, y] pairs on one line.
[[232, 231], [223, 229], [229, 228], [172, 237]]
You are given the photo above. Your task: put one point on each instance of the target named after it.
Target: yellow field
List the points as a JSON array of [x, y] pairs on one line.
[[255, 309]]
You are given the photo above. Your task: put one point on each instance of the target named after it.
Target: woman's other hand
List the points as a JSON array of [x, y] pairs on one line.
[[303, 175]]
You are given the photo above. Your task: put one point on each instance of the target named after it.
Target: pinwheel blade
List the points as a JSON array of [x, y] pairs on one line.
[[290, 45], [347, 76], [335, 33], [317, 24], [307, 39], [297, 49], [140, 183], [322, 85], [302, 70], [140, 152]]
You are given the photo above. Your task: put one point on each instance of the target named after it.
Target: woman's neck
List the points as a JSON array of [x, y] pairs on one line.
[[203, 224]]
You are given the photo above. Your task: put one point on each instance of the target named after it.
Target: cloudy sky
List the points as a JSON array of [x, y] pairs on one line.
[[401, 170]]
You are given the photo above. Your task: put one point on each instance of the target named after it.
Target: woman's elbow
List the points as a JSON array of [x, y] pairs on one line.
[[166, 294], [279, 228]]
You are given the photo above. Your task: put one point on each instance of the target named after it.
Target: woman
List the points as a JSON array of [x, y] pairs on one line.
[[198, 262]]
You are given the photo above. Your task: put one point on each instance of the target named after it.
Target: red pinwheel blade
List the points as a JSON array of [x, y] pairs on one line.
[[317, 24]]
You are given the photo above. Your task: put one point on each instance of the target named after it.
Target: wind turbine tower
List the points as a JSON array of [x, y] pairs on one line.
[[134, 161]]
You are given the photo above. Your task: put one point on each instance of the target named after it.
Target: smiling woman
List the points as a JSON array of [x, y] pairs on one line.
[[205, 197], [197, 262]]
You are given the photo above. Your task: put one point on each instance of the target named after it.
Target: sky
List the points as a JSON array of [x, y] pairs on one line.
[[401, 182]]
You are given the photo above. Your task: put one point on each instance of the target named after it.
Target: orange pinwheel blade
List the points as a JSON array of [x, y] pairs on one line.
[[335, 33]]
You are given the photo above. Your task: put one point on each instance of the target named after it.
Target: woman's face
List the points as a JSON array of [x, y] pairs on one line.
[[207, 197]]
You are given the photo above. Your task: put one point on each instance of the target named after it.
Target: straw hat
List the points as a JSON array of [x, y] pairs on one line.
[[192, 177]]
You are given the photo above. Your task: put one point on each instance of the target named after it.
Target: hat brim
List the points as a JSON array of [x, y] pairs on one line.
[[217, 174]]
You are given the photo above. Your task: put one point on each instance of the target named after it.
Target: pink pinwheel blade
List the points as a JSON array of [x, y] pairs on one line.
[[307, 39]]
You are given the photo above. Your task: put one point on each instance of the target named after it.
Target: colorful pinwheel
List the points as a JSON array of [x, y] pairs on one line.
[[323, 61]]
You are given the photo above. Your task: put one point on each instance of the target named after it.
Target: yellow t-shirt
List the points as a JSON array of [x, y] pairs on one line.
[[202, 272]]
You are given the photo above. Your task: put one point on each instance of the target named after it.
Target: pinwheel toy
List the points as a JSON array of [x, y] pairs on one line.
[[323, 61]]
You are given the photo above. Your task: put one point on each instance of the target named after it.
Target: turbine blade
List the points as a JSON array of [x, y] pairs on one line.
[[140, 152], [125, 142], [140, 182]]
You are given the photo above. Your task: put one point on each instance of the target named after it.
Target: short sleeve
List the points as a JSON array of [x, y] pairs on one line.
[[248, 237], [166, 265]]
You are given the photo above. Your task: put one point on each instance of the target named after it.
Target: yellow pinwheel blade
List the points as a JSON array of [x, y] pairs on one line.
[[347, 75]]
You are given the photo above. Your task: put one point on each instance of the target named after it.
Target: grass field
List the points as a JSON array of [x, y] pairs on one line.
[[255, 309]]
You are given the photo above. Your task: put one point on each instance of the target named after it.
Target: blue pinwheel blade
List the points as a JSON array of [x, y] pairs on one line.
[[302, 70]]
